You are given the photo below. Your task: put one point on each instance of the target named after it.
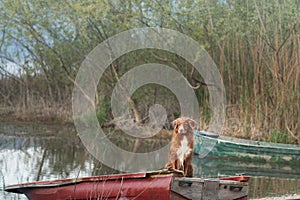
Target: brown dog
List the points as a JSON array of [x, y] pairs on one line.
[[181, 150]]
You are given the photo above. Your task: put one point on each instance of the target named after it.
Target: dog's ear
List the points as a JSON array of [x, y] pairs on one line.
[[175, 123], [192, 123]]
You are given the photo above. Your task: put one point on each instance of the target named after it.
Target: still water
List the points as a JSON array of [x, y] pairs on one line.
[[32, 152]]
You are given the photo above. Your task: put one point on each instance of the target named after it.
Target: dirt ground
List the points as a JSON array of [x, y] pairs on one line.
[[289, 197]]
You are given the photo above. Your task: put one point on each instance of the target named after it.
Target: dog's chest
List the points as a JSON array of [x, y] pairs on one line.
[[184, 150]]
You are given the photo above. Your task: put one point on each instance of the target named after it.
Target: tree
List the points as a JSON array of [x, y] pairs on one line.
[[254, 43]]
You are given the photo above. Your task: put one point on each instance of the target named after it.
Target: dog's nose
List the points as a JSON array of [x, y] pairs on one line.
[[181, 129]]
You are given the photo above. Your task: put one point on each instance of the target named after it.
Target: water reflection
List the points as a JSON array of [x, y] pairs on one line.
[[32, 152], [26, 156], [266, 179]]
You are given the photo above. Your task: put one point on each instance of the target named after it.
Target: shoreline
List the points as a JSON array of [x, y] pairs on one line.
[[284, 197], [46, 115]]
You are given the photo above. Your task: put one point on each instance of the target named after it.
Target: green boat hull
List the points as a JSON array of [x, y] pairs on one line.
[[218, 167], [240, 149]]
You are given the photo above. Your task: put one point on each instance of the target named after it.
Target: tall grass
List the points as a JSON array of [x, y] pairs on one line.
[[261, 71], [255, 44]]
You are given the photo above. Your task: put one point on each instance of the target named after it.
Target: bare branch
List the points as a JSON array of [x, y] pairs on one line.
[[293, 135]]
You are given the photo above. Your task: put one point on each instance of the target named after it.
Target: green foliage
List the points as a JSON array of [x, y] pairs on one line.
[[255, 44], [103, 110], [278, 136]]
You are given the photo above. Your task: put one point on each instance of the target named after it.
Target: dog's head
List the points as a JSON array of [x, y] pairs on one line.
[[184, 125]]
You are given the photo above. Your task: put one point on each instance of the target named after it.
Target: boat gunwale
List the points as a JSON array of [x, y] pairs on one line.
[[250, 143], [110, 177], [73, 181], [223, 181]]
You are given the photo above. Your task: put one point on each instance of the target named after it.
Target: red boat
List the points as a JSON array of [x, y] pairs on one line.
[[163, 184]]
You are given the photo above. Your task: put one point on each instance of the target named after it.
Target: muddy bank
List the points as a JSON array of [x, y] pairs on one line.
[[51, 115], [285, 197]]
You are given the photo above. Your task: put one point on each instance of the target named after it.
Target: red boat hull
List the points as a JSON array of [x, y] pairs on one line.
[[153, 188]]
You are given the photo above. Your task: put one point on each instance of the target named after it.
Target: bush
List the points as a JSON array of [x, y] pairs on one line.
[[278, 136], [102, 110]]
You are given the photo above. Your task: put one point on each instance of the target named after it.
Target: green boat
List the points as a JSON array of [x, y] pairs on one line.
[[211, 144]]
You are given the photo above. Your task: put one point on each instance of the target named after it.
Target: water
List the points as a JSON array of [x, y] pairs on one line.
[[31, 152], [267, 180]]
